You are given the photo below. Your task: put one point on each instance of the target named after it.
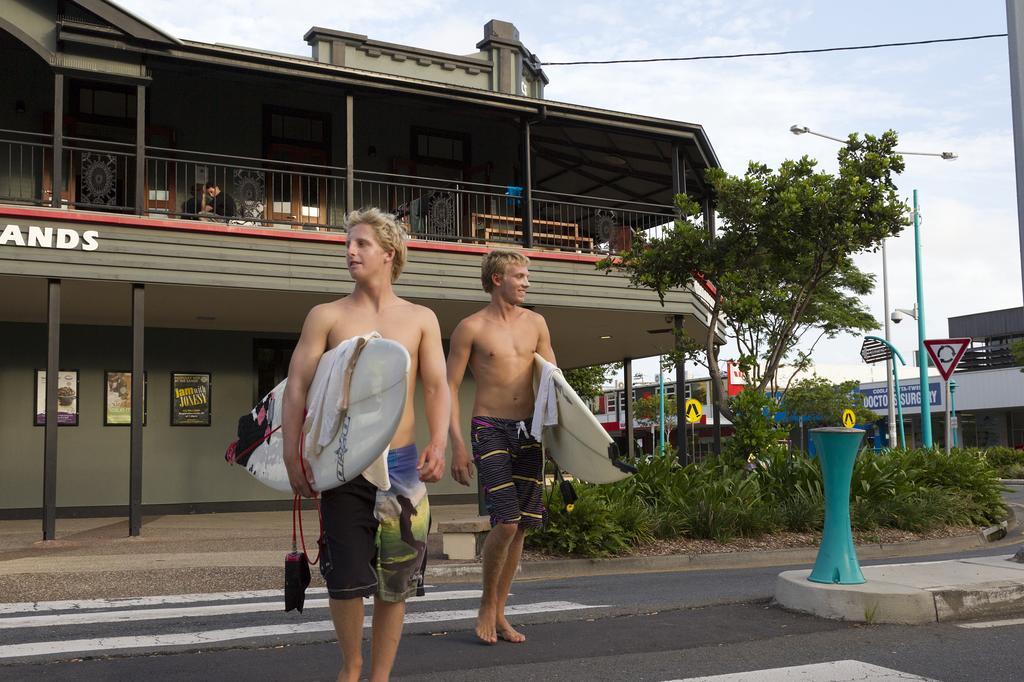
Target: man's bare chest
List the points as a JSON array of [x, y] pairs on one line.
[[405, 331]]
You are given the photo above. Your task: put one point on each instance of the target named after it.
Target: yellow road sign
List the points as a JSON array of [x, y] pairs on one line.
[[849, 419], [694, 410]]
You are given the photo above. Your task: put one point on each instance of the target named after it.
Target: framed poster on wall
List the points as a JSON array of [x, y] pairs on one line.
[[67, 398], [191, 396], [117, 398]]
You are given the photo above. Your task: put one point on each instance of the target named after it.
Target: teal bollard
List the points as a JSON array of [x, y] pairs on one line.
[[836, 448]]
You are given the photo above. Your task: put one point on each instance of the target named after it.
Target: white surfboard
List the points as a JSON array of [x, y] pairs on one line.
[[338, 444], [578, 443]]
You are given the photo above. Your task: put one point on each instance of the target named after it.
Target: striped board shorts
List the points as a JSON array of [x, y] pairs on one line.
[[510, 465]]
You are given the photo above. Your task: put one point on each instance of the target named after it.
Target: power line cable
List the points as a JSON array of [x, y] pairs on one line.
[[777, 54]]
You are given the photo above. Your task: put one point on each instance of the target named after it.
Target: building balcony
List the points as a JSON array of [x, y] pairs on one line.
[[103, 176]]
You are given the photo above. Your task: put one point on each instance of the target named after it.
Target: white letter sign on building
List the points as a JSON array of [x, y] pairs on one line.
[[50, 238]]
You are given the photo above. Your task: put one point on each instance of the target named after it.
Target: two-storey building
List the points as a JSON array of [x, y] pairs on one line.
[[120, 276]]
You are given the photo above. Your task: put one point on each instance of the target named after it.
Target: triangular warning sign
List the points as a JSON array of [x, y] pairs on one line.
[[946, 353]]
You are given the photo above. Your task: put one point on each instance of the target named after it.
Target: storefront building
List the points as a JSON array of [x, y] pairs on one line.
[[116, 281], [987, 399]]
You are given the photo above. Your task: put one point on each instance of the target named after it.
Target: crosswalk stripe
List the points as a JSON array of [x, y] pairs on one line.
[[125, 616], [834, 671], [106, 644], [993, 623], [155, 600]]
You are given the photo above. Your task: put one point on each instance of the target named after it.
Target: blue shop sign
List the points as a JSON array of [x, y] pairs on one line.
[[877, 398]]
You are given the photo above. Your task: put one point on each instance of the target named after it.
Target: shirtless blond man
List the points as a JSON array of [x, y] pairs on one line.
[[498, 344], [352, 564]]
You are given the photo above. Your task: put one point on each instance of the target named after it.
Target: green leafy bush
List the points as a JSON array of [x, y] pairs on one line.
[[1008, 462], [756, 429], [590, 529], [717, 499]]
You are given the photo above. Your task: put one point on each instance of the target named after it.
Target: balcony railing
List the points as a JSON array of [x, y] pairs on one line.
[[985, 357], [24, 172], [283, 194], [256, 192]]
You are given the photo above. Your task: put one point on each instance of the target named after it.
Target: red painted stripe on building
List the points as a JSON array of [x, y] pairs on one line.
[[180, 225]]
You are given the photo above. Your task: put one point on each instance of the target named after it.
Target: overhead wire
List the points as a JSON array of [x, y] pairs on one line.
[[778, 53]]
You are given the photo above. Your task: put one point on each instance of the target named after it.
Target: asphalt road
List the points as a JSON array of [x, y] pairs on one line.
[[655, 626]]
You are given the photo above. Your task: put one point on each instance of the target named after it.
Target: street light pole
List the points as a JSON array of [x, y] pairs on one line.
[[661, 406], [889, 367], [922, 357]]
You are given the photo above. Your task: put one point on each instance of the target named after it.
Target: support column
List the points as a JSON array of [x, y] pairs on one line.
[[140, 149], [528, 187], [350, 153], [50, 435], [138, 407], [709, 216], [678, 186], [57, 176], [681, 446], [627, 383]]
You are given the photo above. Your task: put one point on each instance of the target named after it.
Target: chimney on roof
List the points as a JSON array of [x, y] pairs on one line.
[[509, 56], [495, 29]]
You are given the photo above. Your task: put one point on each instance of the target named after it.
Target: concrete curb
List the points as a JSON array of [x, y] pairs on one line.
[[912, 594], [569, 568]]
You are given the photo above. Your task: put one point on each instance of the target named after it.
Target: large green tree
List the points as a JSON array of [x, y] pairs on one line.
[[780, 264]]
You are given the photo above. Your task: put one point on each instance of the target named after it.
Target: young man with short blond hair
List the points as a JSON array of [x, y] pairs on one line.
[[498, 343], [369, 524]]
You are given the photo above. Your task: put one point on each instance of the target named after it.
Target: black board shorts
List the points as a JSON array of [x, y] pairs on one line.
[[510, 464], [349, 556]]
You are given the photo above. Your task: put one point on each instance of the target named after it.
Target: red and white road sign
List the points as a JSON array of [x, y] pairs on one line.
[[946, 353]]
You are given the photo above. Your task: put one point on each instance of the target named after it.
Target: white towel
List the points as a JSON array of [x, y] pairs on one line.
[[323, 400], [545, 404]]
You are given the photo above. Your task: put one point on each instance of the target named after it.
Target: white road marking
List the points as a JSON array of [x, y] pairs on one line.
[[993, 623], [834, 671], [100, 645], [124, 616], [156, 600]]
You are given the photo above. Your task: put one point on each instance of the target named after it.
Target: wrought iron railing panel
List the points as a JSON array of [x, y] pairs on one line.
[[23, 167]]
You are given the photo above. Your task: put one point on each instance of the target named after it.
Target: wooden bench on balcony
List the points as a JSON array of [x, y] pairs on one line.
[[489, 227]]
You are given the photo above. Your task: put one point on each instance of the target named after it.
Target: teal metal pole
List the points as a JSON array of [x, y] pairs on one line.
[[837, 557], [661, 405], [899, 407], [922, 356]]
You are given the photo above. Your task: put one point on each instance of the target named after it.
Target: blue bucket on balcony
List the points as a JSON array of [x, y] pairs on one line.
[[516, 192]]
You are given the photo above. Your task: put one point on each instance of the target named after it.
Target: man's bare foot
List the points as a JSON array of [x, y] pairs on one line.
[[508, 633], [486, 631]]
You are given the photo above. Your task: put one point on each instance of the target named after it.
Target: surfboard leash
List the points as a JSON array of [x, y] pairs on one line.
[[297, 514]]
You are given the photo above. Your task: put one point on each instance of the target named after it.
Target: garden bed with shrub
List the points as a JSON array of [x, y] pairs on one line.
[[774, 500]]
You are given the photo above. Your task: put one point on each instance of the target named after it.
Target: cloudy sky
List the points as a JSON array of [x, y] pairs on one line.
[[952, 96]]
